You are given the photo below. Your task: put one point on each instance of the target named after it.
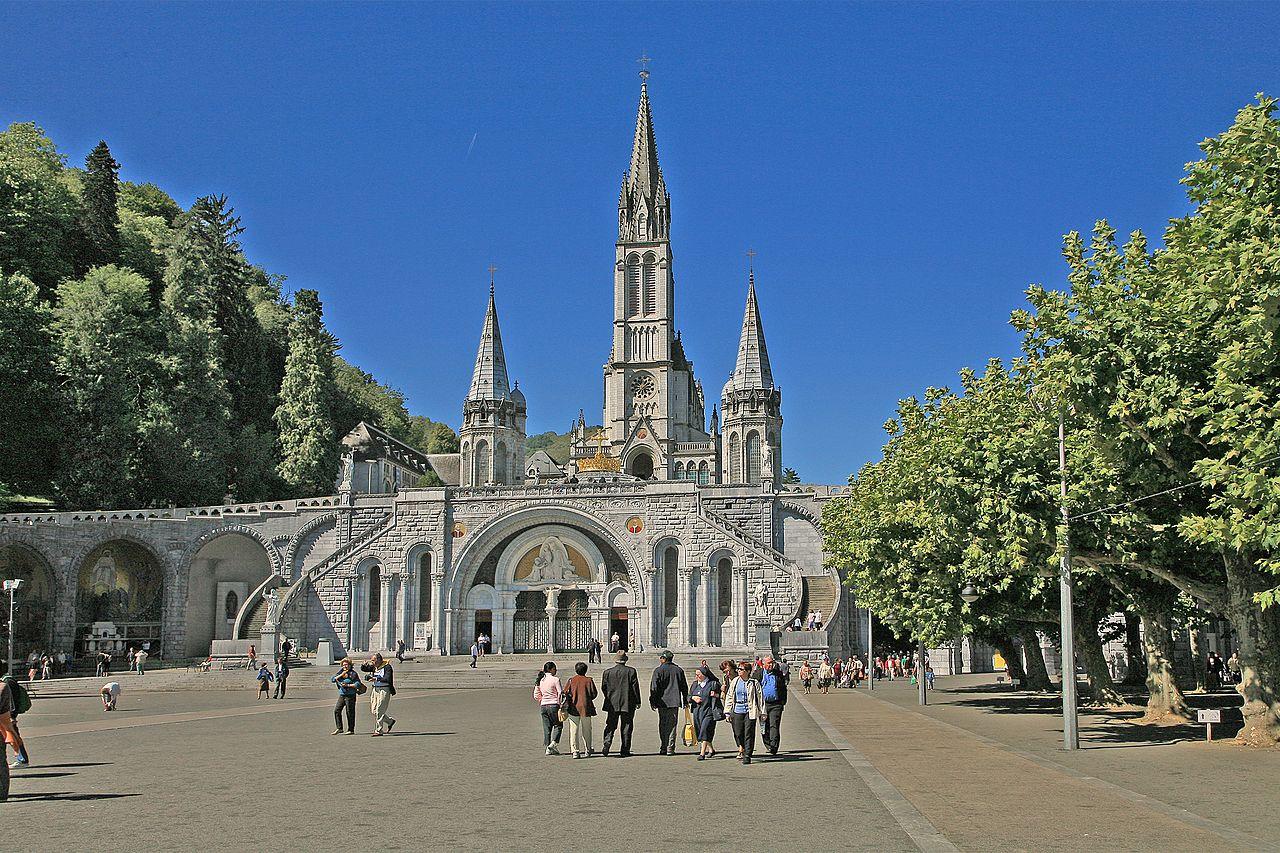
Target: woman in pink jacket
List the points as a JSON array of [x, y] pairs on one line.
[[546, 695]]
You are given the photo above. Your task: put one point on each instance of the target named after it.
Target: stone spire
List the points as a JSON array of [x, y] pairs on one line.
[[489, 379], [644, 207], [752, 369]]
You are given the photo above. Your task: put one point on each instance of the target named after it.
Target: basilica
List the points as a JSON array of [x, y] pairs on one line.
[[669, 526]]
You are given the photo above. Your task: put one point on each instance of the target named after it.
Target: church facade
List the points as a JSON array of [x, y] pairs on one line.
[[668, 527]]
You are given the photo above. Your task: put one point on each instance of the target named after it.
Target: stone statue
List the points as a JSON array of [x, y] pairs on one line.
[[348, 472], [766, 461], [552, 562], [273, 607], [761, 596]]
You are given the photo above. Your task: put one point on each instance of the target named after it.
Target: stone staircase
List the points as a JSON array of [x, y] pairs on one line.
[[819, 593], [331, 562]]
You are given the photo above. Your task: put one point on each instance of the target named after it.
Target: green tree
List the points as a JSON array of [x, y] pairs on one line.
[[106, 364], [363, 398], [430, 436], [29, 415], [1174, 354], [790, 477], [99, 217], [310, 456], [37, 209]]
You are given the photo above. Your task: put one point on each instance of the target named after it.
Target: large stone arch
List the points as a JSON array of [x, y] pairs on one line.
[[164, 612], [230, 561], [37, 601], [466, 561], [289, 563]]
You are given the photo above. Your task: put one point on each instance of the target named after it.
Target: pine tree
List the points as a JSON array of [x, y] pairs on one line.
[[307, 397], [99, 217], [107, 367], [28, 386]]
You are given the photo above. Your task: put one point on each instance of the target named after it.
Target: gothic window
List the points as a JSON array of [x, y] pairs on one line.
[[650, 285], [679, 470], [753, 457], [482, 463], [500, 463], [724, 583], [735, 459], [670, 581], [631, 287], [232, 605], [375, 594], [642, 466], [424, 587], [704, 473]]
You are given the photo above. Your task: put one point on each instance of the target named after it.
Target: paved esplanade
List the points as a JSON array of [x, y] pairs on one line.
[[207, 769]]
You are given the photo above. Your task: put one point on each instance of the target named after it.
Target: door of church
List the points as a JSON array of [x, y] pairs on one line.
[[529, 623], [618, 625], [573, 622]]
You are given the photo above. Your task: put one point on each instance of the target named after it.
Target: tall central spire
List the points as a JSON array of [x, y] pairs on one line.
[[644, 207], [489, 379]]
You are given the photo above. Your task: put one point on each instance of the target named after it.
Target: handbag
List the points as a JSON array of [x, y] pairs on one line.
[[689, 738], [563, 713], [361, 689]]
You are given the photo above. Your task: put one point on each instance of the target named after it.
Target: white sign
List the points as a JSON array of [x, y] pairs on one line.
[[1208, 716]]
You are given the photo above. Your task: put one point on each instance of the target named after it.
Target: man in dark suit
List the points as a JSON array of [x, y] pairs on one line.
[[668, 693], [621, 699]]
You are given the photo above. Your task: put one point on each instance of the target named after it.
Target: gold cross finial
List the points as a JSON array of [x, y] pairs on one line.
[[644, 61]]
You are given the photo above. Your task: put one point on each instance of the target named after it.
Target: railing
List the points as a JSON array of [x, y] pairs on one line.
[[168, 514], [326, 565]]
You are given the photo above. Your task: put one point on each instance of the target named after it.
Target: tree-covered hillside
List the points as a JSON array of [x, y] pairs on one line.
[[144, 361]]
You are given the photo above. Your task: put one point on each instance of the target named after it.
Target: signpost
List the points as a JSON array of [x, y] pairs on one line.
[[1208, 718]]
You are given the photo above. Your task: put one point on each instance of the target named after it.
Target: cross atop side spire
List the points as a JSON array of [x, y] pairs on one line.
[[489, 378]]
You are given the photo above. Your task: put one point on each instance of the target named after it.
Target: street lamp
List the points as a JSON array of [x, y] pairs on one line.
[[11, 586], [968, 595]]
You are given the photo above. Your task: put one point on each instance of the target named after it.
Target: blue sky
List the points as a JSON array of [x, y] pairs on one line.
[[904, 171]]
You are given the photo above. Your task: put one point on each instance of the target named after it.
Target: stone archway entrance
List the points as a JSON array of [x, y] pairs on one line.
[[642, 466], [119, 600], [34, 602]]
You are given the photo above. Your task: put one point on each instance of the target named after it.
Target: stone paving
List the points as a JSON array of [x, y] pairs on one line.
[[463, 770], [986, 768]]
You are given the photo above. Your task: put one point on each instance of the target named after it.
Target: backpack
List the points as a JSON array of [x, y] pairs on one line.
[[21, 698]]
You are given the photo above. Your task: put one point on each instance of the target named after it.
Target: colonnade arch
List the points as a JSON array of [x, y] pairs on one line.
[[36, 600]]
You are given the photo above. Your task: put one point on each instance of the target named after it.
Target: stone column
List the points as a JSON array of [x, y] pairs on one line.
[[440, 640], [655, 608], [685, 608], [386, 608], [744, 604], [408, 605], [552, 595], [710, 606]]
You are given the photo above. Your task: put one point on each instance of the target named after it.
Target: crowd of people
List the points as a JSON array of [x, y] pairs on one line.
[[744, 693]]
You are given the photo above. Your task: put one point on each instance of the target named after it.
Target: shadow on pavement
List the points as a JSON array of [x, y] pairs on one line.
[[22, 774], [420, 734], [67, 796], [79, 764]]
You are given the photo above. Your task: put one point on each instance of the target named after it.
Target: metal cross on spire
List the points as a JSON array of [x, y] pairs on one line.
[[492, 270], [644, 61], [751, 260]]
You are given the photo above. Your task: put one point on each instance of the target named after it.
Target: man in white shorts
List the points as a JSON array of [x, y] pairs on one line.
[[110, 693]]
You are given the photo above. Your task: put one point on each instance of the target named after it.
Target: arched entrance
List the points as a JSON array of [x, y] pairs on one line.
[[642, 465], [34, 602], [119, 600], [229, 567]]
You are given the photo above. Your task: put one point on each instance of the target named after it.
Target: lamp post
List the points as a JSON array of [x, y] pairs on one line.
[[11, 586], [924, 697], [1070, 721], [871, 660]]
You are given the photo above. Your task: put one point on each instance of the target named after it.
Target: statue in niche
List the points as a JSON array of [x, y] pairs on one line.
[[761, 597], [552, 562]]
